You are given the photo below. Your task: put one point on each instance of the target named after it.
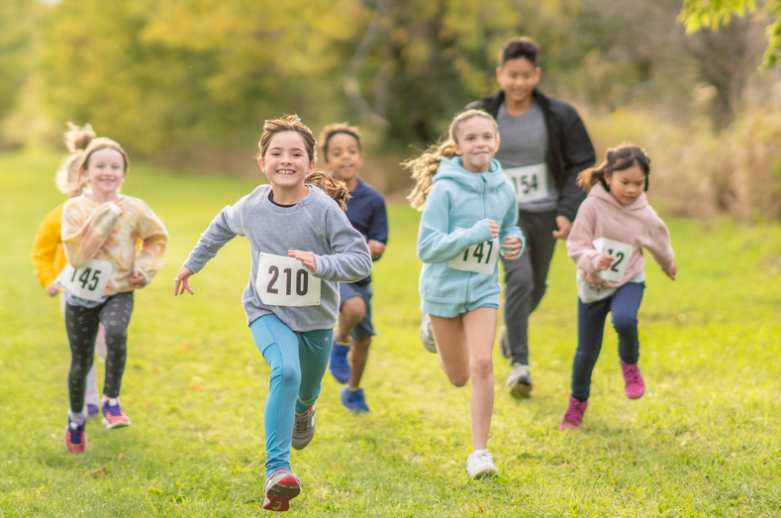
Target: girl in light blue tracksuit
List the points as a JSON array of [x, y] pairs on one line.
[[469, 215]]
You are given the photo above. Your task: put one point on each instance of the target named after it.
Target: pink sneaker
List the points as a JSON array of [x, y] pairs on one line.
[[573, 417], [634, 386]]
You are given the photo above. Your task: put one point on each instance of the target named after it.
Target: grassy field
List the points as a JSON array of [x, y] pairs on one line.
[[704, 441]]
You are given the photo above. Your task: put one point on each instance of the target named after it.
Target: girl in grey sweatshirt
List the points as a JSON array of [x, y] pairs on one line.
[[302, 246]]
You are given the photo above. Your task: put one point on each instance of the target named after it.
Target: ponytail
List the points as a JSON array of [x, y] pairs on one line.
[[76, 140], [424, 168], [336, 189]]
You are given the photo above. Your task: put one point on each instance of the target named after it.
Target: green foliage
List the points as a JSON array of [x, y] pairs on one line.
[[702, 442], [16, 20]]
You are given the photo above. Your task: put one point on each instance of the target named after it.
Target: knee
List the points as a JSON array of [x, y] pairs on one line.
[[458, 379], [482, 366], [288, 374], [115, 336], [354, 308], [624, 324]]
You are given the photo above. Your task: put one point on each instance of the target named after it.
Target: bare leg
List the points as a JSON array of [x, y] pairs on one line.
[[359, 353], [480, 326]]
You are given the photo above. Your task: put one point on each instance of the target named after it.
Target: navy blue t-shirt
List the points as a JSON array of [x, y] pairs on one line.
[[366, 211]]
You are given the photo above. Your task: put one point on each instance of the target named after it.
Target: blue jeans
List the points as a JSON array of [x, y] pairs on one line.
[[623, 305], [298, 362]]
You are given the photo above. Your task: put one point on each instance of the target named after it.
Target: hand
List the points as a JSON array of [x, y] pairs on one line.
[[119, 202], [53, 289], [493, 227], [181, 285], [604, 261], [564, 225], [511, 248], [376, 249], [137, 280], [671, 271], [307, 258]]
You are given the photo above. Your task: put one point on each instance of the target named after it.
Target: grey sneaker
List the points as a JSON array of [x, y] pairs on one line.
[[304, 428], [280, 487], [481, 464], [520, 381], [426, 336]]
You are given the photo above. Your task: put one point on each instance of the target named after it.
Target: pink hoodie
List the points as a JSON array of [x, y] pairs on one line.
[[636, 224]]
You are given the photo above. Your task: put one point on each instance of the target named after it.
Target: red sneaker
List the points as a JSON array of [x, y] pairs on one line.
[[75, 437], [573, 417], [113, 416], [281, 487], [634, 386]]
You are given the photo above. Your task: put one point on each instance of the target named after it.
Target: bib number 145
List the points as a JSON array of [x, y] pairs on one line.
[[88, 282], [284, 281]]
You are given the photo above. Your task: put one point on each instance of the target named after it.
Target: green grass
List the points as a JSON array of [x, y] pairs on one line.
[[704, 441]]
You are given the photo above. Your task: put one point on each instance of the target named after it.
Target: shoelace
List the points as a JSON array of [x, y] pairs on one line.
[[574, 412], [632, 374], [302, 423], [75, 432], [114, 410]]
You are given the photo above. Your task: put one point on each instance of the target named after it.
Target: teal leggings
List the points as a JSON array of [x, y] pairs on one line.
[[298, 362]]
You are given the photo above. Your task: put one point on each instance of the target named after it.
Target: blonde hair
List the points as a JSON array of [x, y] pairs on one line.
[[76, 140], [336, 129], [616, 159], [96, 144], [426, 165], [336, 189]]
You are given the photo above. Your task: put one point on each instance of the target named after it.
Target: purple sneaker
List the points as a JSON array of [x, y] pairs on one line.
[[634, 386], [75, 436], [339, 365], [573, 417], [93, 411]]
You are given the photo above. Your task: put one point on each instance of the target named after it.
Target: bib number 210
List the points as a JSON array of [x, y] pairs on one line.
[[284, 281]]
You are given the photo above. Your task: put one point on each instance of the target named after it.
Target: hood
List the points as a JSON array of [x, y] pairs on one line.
[[453, 169], [599, 192]]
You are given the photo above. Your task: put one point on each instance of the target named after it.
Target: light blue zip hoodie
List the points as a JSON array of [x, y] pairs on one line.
[[464, 201]]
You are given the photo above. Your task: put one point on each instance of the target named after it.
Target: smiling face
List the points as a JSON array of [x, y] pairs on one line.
[[476, 142], [106, 173], [286, 161], [626, 185], [517, 78], [344, 158]]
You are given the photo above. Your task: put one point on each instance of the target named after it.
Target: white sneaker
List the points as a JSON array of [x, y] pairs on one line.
[[304, 428], [520, 381], [481, 464], [426, 336]]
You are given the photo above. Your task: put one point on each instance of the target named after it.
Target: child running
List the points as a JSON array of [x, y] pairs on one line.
[[49, 256], [469, 208], [342, 150], [611, 229], [302, 246], [101, 231]]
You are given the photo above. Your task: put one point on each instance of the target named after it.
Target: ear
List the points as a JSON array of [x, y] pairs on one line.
[[498, 74], [260, 163]]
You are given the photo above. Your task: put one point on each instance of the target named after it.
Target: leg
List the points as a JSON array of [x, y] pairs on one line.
[[351, 311], [115, 317], [624, 306], [359, 354], [81, 325], [591, 326], [519, 285], [541, 255], [451, 344], [480, 329], [279, 346], [314, 348]]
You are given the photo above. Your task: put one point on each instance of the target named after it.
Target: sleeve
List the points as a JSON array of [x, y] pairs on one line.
[[660, 247], [46, 247], [350, 260], [83, 238], [224, 227], [378, 225], [579, 243], [508, 228], [435, 244], [150, 256], [577, 154]]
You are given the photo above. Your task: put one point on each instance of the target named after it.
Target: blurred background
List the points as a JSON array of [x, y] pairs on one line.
[[187, 84]]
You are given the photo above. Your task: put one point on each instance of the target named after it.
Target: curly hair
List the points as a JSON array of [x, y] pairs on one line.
[[335, 129]]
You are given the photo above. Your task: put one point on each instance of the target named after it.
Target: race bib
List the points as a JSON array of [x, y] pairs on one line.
[[479, 258], [285, 281], [621, 253], [530, 182], [88, 282]]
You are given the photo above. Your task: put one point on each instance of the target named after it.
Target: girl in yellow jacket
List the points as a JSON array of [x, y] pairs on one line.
[[49, 255]]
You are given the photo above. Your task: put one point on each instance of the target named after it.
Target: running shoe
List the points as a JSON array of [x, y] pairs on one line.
[[113, 416], [304, 428], [634, 386], [481, 464], [280, 488], [75, 436], [520, 381], [354, 400], [339, 365]]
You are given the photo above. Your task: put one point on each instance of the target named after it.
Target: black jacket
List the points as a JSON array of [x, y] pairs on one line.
[[569, 147]]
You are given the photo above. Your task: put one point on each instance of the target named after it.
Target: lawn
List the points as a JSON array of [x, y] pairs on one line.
[[704, 441]]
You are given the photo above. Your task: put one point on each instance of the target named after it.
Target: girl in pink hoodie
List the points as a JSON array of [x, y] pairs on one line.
[[613, 226]]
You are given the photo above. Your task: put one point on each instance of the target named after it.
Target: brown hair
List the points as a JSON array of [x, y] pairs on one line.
[[336, 189], [618, 158], [76, 140], [426, 165], [335, 129]]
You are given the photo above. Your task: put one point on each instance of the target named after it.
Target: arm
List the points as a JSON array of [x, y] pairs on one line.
[[510, 236], [577, 154], [661, 249], [45, 248], [378, 230], [150, 257], [82, 238], [435, 244], [579, 244], [350, 259]]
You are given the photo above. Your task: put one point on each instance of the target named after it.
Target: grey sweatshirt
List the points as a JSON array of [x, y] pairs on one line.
[[316, 224]]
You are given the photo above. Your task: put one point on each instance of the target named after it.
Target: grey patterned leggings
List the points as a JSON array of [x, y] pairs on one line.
[[81, 324]]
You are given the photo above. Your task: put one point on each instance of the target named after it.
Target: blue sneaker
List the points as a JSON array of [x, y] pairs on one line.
[[354, 400], [339, 365]]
